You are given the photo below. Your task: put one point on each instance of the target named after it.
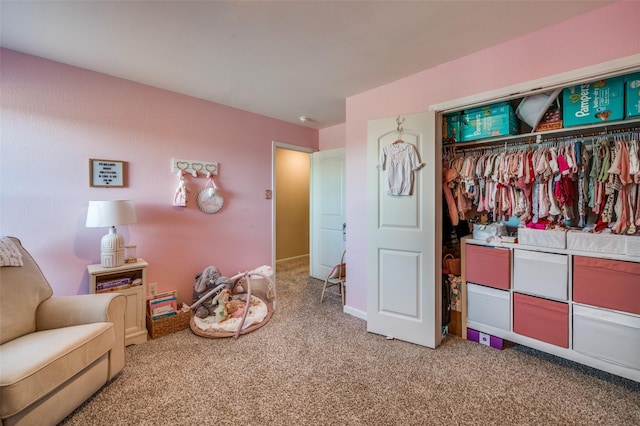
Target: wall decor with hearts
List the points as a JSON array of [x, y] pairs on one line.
[[195, 168]]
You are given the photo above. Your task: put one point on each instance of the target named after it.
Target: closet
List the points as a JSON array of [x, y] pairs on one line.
[[553, 286]]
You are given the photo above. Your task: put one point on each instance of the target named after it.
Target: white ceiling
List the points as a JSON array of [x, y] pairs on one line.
[[282, 59]]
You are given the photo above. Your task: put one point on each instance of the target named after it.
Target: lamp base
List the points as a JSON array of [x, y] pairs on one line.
[[112, 249]]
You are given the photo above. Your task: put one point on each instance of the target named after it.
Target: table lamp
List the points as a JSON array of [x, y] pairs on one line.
[[110, 214]]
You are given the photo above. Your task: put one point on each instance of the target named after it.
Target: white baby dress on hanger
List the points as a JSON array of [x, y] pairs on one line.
[[400, 160]]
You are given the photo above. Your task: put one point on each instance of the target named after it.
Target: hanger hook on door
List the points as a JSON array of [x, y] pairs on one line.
[[399, 123]]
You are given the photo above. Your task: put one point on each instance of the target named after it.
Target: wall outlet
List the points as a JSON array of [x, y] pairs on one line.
[[153, 289]]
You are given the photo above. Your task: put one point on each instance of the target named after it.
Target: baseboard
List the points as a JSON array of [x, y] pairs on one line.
[[293, 258], [355, 312]]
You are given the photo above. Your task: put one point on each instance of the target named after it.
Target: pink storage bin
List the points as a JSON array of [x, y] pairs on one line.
[[612, 284], [488, 266], [541, 319]]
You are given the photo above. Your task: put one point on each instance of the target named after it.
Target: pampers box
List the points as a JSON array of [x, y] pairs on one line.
[[451, 127], [591, 103], [488, 121], [632, 94]]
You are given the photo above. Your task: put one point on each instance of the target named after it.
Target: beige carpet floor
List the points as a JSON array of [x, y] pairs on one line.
[[312, 364]]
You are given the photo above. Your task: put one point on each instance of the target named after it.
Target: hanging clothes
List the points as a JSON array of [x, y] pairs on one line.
[[565, 182], [400, 160]]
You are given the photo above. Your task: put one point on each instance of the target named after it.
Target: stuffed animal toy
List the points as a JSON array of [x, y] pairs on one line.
[[209, 279], [220, 312]]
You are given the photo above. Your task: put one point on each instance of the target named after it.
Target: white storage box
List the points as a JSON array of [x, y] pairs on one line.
[[607, 335], [541, 274], [632, 245], [598, 243], [488, 232], [489, 306], [543, 238]]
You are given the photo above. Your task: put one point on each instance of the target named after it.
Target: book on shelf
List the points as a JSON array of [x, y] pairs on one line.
[[113, 285], [118, 288]]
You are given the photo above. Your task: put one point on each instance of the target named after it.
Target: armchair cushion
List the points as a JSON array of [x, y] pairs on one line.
[[35, 372]]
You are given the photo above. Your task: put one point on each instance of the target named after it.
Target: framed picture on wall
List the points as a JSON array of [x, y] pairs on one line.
[[107, 173]]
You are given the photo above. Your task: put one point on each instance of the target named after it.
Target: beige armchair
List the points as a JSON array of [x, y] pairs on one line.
[[55, 352]]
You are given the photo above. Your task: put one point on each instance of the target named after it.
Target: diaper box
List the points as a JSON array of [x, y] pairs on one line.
[[592, 103], [451, 128], [632, 95], [488, 121]]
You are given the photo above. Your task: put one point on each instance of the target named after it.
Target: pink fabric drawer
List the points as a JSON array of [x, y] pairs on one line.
[[612, 284], [541, 319], [488, 266]]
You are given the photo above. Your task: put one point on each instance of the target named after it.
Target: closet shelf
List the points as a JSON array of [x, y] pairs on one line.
[[538, 137]]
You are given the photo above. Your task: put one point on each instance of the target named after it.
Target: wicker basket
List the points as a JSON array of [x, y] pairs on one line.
[[164, 326]]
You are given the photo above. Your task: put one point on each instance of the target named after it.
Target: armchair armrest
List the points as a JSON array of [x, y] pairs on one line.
[[67, 311]]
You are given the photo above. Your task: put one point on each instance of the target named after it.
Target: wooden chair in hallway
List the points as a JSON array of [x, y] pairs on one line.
[[336, 278]]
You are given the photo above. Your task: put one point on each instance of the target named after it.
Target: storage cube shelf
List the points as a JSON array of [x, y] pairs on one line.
[[135, 327], [581, 306]]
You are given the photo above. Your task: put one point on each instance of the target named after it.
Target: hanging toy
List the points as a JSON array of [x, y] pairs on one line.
[[180, 198], [210, 199]]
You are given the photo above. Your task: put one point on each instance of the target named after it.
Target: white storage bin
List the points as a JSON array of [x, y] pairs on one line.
[[542, 238], [541, 274], [632, 245], [599, 243], [489, 306], [606, 335]]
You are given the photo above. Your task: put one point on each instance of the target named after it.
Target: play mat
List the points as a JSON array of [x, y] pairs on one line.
[[220, 303]]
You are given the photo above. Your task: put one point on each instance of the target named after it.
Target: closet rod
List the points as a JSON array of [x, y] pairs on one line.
[[584, 137], [539, 137]]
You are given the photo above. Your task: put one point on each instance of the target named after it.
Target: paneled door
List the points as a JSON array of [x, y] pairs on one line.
[[403, 269], [328, 214]]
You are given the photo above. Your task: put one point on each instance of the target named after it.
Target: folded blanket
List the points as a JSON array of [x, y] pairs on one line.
[[9, 253]]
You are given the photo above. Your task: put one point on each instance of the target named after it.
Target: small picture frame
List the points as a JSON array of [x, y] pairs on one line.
[[107, 173]]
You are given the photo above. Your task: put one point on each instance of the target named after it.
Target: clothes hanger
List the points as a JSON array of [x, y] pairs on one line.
[[399, 129]]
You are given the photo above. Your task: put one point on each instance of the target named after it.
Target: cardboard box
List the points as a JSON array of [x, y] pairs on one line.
[[487, 122], [450, 128], [592, 103], [632, 95], [484, 338]]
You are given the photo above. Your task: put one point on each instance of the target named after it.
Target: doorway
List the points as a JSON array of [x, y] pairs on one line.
[[290, 203]]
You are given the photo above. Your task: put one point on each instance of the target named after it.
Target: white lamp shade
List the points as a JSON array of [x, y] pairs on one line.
[[110, 213]]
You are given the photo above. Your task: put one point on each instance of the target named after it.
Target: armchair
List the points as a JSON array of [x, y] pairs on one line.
[[55, 352]]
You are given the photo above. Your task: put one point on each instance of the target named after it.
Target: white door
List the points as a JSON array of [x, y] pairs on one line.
[[403, 272], [327, 206]]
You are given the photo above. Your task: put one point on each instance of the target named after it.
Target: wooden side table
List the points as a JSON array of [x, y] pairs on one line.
[[135, 324]]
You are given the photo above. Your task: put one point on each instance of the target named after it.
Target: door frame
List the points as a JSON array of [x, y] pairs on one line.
[[274, 146]]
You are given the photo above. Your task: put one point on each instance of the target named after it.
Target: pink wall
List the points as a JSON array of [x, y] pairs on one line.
[[55, 117], [333, 137], [608, 33]]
